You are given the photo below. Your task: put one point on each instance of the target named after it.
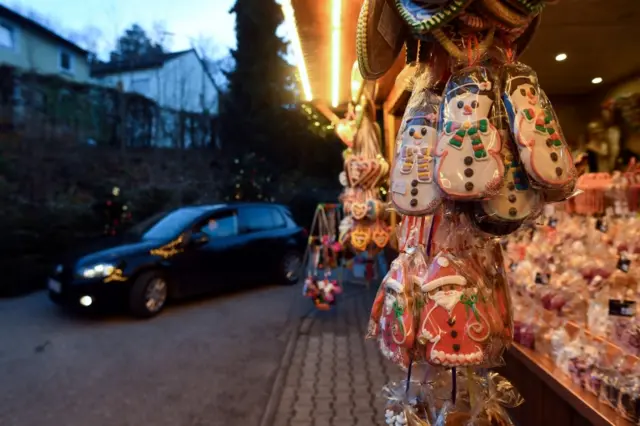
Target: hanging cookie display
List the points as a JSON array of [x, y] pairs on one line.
[[536, 130]]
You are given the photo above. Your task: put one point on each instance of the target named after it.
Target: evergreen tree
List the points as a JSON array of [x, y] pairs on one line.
[[263, 123], [254, 104]]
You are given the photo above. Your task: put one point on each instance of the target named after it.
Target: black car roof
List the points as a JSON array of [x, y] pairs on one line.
[[236, 204], [213, 207]]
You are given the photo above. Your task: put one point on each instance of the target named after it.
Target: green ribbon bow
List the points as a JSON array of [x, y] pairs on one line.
[[398, 311], [470, 303]]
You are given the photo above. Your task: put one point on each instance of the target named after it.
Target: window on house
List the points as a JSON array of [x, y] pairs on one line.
[[65, 61], [6, 36]]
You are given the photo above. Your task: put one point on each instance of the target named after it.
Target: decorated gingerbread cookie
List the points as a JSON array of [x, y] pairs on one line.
[[392, 317], [516, 200], [413, 188], [543, 149], [468, 162], [454, 325]]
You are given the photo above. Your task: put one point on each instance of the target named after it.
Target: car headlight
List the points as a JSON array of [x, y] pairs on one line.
[[101, 270]]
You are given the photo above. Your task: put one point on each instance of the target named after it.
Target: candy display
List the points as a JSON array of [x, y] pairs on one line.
[[479, 152], [574, 279]]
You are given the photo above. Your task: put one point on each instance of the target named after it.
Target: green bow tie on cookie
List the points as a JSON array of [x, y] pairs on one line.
[[473, 130]]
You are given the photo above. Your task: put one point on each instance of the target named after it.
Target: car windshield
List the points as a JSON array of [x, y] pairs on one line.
[[171, 225]]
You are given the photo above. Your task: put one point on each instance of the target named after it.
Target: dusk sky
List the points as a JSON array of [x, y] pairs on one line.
[[187, 20]]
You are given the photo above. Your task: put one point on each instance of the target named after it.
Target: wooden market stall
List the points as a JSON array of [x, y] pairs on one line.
[[325, 33]]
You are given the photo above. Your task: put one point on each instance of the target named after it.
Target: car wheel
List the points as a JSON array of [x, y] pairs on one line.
[[148, 294], [291, 268]]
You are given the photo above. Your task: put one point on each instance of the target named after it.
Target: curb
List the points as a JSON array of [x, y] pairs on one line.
[[299, 327]]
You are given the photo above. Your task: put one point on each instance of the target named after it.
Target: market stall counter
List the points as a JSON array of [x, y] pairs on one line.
[[551, 396]]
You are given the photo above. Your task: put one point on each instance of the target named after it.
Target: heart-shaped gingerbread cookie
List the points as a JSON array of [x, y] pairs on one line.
[[380, 235], [360, 237], [359, 210]]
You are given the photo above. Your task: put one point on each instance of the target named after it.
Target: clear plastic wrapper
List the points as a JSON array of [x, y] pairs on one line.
[[516, 201], [407, 405], [629, 401], [468, 162], [498, 396], [413, 187], [544, 152], [465, 317], [392, 315]]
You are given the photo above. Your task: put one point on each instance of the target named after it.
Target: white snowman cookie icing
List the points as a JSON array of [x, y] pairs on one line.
[[543, 150], [468, 160], [516, 199], [413, 190]]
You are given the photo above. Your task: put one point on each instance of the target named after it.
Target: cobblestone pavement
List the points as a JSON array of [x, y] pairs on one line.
[[335, 376]]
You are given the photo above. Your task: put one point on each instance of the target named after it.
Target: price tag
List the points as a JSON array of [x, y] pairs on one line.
[[542, 279], [624, 264], [622, 308], [602, 225], [553, 222]]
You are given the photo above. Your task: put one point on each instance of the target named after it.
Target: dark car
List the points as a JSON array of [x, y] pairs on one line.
[[186, 252]]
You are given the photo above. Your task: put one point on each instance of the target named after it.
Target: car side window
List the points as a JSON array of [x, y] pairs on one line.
[[278, 219], [220, 226], [256, 219]]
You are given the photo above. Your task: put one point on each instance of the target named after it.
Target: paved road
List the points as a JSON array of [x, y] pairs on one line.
[[210, 362]]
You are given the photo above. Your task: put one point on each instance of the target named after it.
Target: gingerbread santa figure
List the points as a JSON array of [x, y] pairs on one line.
[[453, 322], [413, 188], [543, 150], [468, 163], [392, 317]]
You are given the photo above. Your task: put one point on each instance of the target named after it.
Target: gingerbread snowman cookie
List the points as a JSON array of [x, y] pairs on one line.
[[454, 325], [468, 163], [543, 149], [516, 200], [413, 188]]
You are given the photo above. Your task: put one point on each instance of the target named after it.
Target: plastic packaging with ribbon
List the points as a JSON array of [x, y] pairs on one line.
[[536, 130], [413, 185], [465, 319], [407, 405]]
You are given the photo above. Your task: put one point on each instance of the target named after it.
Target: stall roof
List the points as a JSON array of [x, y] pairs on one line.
[[315, 25], [600, 38]]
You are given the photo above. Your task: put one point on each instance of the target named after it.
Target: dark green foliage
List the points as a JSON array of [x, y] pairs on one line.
[[261, 114], [133, 44]]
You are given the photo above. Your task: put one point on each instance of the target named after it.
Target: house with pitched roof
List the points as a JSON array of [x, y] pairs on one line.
[[27, 45], [179, 81]]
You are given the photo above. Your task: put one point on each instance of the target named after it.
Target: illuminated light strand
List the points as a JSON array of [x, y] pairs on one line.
[[336, 15], [290, 19]]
